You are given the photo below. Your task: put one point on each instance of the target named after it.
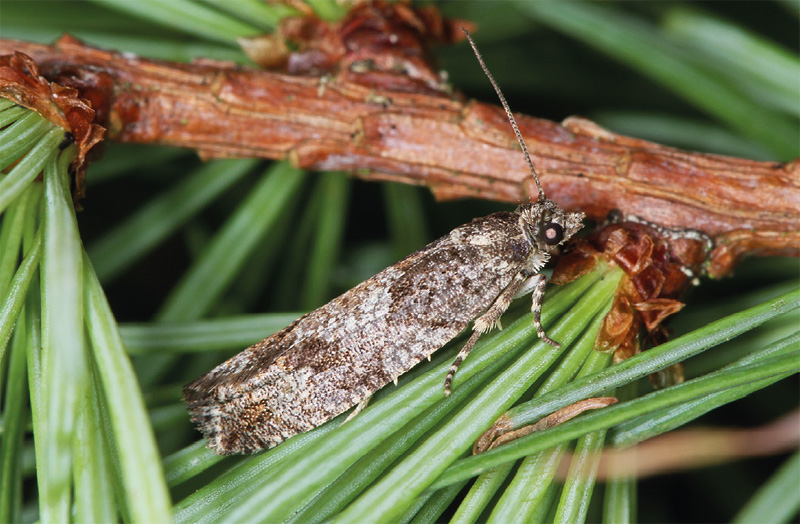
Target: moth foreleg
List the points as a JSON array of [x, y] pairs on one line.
[[484, 323], [539, 283]]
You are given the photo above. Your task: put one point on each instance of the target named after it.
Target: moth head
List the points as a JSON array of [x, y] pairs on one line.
[[547, 226]]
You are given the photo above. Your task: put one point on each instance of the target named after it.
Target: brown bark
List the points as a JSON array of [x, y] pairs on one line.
[[456, 148]]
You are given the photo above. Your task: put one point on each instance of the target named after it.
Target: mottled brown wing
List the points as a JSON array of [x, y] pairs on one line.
[[332, 358]]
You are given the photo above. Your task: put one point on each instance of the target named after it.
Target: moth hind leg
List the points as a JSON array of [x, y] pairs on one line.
[[451, 373], [484, 323]]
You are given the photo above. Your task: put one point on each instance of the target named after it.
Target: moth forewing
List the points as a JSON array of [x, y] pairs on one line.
[[334, 357]]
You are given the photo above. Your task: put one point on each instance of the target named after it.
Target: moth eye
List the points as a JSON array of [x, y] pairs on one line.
[[552, 233]]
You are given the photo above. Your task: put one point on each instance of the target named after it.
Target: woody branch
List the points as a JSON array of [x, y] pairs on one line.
[[456, 148]]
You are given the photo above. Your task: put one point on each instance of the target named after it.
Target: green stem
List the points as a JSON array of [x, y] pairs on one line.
[[469, 467], [15, 297], [63, 344], [657, 358], [145, 489], [26, 171]]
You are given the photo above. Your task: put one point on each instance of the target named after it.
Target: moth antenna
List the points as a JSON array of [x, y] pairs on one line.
[[508, 112]]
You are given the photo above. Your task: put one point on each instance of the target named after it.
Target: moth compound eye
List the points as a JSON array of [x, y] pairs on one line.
[[552, 234]]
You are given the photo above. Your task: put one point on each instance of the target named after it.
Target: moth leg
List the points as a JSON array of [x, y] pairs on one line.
[[360, 407], [459, 359], [527, 286], [539, 283], [485, 323]]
